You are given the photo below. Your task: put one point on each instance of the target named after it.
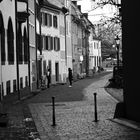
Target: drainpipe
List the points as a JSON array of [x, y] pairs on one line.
[[17, 52], [40, 40], [65, 37], [65, 12], [37, 81], [28, 51]]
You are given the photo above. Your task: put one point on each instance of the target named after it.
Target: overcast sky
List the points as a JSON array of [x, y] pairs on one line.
[[95, 15]]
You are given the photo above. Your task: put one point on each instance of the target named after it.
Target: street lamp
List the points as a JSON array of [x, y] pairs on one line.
[[117, 39]]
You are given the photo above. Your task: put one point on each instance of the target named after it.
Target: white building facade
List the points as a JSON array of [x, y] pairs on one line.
[[53, 43], [95, 59], [14, 74]]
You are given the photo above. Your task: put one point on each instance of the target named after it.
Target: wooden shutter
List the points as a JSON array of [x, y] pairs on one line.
[[51, 43], [46, 42], [46, 19], [50, 20]]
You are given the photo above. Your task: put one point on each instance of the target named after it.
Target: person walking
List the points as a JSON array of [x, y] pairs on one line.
[[70, 77], [48, 77]]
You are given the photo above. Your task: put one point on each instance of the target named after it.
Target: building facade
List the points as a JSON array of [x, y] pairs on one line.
[[53, 39], [95, 59], [14, 64], [32, 44]]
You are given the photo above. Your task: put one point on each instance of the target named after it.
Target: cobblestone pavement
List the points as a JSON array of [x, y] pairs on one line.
[[75, 120]]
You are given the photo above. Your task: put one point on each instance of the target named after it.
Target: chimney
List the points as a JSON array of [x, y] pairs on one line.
[[74, 2], [86, 15], [79, 7]]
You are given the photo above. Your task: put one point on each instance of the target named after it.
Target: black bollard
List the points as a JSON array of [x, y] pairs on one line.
[[95, 107], [53, 111]]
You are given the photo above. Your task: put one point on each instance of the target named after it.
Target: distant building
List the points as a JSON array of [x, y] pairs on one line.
[[95, 54]]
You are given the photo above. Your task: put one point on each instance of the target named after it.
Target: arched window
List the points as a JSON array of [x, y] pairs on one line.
[[25, 40], [10, 42], [20, 48], [2, 40]]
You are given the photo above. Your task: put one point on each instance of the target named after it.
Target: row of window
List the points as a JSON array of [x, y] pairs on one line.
[[22, 45], [51, 43], [49, 20], [97, 60], [8, 85], [96, 45]]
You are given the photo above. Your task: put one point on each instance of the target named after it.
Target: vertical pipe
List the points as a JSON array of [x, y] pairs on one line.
[[35, 15], [17, 52], [28, 49], [65, 39], [95, 107], [40, 40], [53, 111], [118, 55]]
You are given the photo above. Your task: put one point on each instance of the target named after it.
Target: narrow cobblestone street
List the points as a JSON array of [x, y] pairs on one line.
[[74, 112], [75, 119]]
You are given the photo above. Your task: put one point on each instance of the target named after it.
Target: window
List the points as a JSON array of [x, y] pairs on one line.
[[50, 19], [56, 44], [2, 40], [25, 42], [55, 21], [44, 42], [47, 19], [10, 42], [95, 61], [49, 43], [20, 55], [14, 85], [21, 83], [43, 19], [8, 87]]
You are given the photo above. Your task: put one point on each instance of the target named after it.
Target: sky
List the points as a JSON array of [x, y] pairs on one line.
[[95, 15]]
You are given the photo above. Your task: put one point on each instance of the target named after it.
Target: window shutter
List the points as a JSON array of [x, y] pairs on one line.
[[58, 44], [46, 19], [50, 20], [43, 18], [51, 43], [54, 43], [53, 21], [46, 42]]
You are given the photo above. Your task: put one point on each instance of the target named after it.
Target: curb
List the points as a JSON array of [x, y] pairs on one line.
[[129, 123]]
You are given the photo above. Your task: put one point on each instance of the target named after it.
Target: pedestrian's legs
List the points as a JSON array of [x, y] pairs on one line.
[[70, 82]]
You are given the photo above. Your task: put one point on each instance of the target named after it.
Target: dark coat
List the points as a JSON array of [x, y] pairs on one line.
[[70, 74]]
